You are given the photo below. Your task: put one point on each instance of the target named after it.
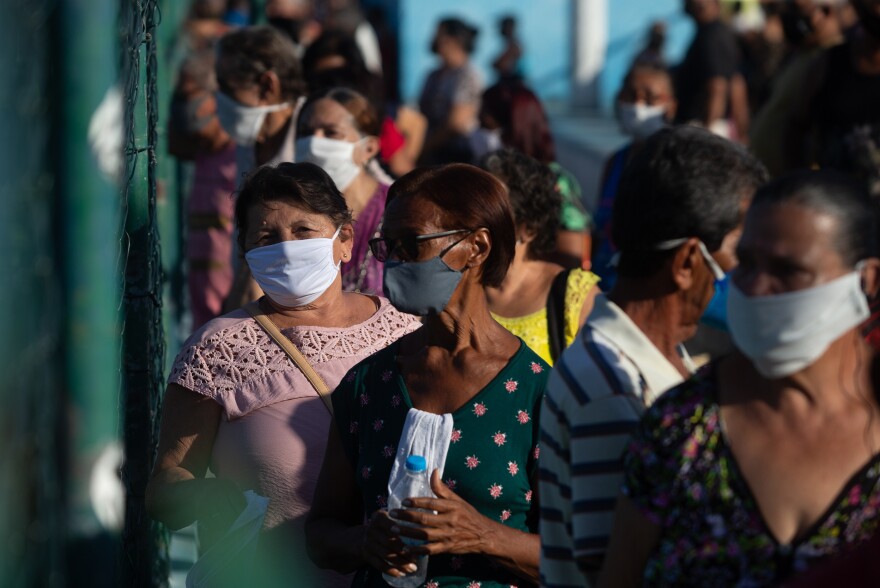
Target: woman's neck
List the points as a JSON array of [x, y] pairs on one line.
[[819, 384], [359, 193], [464, 324], [329, 310]]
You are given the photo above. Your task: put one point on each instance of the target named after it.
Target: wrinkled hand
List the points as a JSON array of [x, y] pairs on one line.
[[456, 528], [383, 549]]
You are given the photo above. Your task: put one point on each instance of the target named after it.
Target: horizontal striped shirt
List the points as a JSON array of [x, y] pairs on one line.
[[597, 393]]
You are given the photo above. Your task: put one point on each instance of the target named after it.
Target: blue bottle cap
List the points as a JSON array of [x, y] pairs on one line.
[[416, 463]]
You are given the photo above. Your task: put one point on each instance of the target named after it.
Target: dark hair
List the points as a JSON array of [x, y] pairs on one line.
[[299, 184], [353, 73], [469, 198], [465, 34], [648, 64], [365, 117], [836, 195], [685, 182], [522, 119], [531, 186], [244, 55]]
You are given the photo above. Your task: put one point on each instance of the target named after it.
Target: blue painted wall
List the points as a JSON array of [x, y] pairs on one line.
[[544, 30], [628, 24]]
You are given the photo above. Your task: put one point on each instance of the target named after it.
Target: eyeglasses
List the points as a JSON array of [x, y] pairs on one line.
[[408, 247]]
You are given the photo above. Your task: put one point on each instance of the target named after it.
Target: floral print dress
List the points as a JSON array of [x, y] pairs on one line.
[[492, 458], [683, 476]]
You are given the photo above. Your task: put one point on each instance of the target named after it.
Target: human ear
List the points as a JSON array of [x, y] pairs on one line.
[[684, 264], [345, 241], [270, 88], [870, 270], [480, 245], [369, 148]]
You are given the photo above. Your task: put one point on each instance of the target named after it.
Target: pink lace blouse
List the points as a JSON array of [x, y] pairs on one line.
[[275, 431]]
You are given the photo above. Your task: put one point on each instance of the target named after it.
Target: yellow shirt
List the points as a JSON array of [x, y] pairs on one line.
[[532, 328]]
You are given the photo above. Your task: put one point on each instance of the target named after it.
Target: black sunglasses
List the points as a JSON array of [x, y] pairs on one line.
[[408, 247]]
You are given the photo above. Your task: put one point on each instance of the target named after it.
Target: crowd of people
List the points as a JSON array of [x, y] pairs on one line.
[[368, 277]]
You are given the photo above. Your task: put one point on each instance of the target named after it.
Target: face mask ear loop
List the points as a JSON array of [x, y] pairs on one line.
[[333, 238], [860, 268]]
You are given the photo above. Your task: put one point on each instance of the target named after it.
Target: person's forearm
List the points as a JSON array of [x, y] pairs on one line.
[[334, 545], [716, 100], [515, 550], [174, 497]]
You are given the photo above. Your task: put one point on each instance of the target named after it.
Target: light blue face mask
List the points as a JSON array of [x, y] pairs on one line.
[[715, 314], [420, 288]]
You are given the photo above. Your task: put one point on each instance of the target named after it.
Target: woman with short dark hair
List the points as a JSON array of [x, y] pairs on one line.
[[539, 300], [237, 402], [260, 81], [448, 234]]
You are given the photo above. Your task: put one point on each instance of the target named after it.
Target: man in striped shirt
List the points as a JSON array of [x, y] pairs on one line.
[[676, 222]]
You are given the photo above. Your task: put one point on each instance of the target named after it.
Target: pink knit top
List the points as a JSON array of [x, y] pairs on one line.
[[275, 431]]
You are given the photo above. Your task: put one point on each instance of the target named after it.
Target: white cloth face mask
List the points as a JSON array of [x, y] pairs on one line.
[[294, 273], [640, 121], [243, 123], [785, 333], [332, 155]]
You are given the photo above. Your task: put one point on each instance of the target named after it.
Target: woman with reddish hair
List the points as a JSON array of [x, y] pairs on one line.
[[513, 114]]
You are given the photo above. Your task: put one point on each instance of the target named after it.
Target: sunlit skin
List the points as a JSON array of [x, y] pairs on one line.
[[266, 92], [329, 119], [178, 493], [277, 222], [444, 364], [796, 440]]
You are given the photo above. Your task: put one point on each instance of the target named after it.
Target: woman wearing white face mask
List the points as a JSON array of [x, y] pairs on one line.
[[769, 460], [646, 103], [238, 401], [261, 83], [338, 130]]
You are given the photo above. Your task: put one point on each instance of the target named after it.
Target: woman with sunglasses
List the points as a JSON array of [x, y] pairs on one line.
[[448, 234]]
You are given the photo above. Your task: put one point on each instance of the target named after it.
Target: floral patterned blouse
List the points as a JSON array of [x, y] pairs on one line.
[[492, 459], [683, 476]]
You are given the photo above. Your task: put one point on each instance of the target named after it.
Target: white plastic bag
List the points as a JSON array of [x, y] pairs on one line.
[[235, 549]]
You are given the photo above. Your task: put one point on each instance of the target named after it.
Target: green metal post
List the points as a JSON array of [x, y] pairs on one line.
[[89, 221], [31, 308]]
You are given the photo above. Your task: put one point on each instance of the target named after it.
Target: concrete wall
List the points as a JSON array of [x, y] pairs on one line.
[[628, 24]]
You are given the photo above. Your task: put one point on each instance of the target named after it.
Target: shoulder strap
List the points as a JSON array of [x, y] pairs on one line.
[[556, 314], [287, 345]]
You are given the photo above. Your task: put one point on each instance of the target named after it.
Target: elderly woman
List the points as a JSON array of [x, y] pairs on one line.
[[448, 234], [539, 300], [237, 403], [339, 129], [768, 461]]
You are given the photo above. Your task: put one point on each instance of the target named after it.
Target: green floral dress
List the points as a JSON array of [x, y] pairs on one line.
[[492, 459], [683, 476]]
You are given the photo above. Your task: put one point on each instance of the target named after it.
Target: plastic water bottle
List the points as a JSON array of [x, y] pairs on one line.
[[415, 485]]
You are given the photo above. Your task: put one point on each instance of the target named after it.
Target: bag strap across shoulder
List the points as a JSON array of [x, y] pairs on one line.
[[293, 353], [556, 314]]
